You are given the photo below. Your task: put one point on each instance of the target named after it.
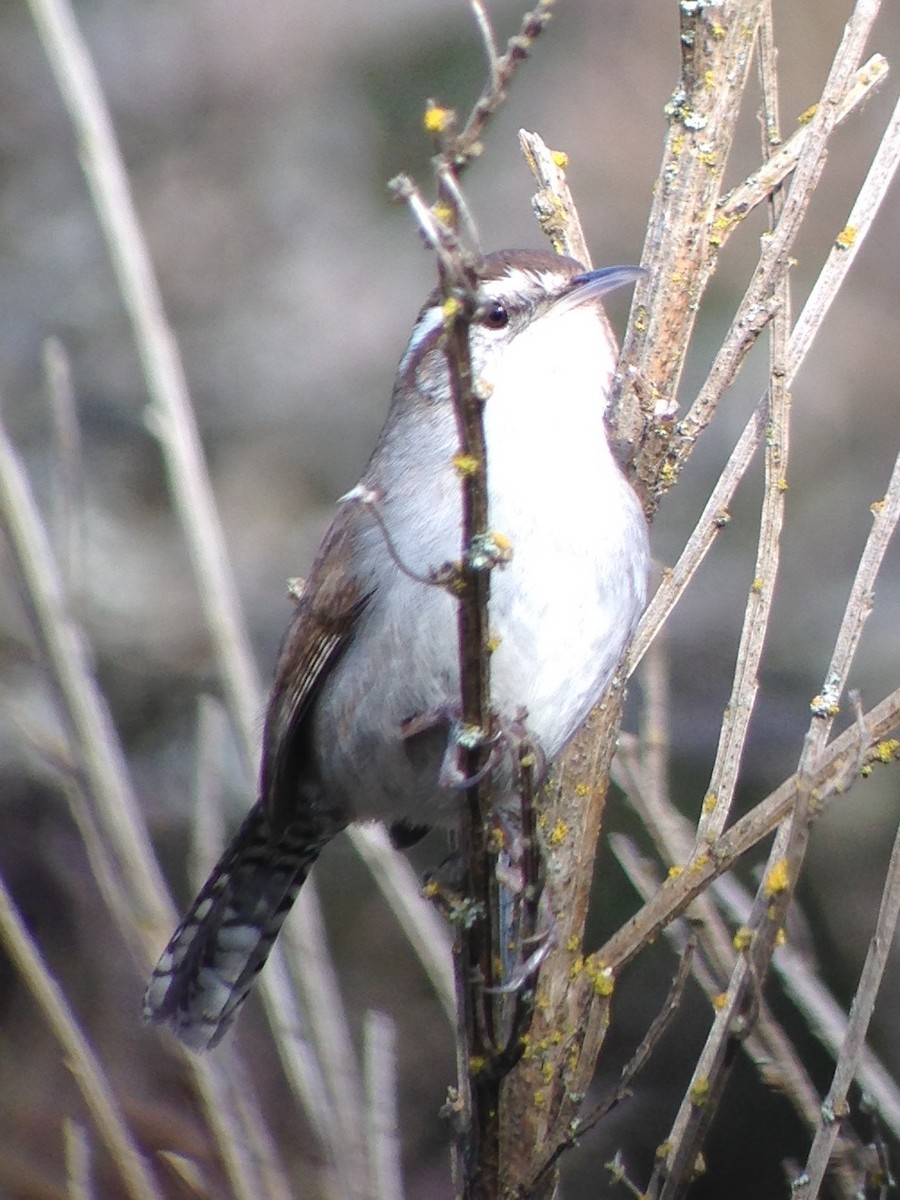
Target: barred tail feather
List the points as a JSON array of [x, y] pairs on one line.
[[214, 956]]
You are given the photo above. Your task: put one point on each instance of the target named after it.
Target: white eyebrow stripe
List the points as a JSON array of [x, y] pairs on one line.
[[516, 281], [429, 321]]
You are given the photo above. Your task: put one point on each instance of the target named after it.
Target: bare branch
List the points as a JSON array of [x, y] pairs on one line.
[[84, 1064], [170, 416], [737, 203], [835, 1105], [716, 44], [382, 1138], [553, 204], [834, 773]]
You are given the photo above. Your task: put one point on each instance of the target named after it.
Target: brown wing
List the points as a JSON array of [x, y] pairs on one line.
[[323, 624]]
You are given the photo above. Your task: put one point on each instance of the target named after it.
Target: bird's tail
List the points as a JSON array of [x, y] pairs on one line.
[[215, 954]]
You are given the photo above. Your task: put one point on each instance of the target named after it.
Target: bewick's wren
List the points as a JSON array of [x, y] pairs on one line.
[[372, 650]]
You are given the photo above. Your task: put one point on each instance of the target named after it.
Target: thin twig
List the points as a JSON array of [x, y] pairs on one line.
[[467, 144], [839, 765], [835, 1105], [116, 836], [758, 186], [82, 706], [426, 932], [68, 474], [715, 515], [298, 1055], [482, 1060], [315, 981], [777, 246], [170, 416], [78, 1161], [745, 685], [785, 860], [630, 1071], [824, 1017], [488, 39], [83, 1063], [553, 204], [679, 249], [766, 1045], [382, 1138]]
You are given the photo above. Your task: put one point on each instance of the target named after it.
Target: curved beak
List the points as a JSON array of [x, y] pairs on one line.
[[593, 285]]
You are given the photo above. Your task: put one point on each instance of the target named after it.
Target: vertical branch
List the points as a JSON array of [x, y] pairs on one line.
[[482, 1062], [835, 1104], [738, 712], [477, 936], [775, 894], [170, 415], [681, 246], [137, 1181]]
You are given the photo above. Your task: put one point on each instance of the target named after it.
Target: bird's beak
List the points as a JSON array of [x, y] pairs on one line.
[[593, 285]]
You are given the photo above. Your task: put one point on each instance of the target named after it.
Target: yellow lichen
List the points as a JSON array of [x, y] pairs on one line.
[[710, 801], [674, 872], [437, 120], [560, 159], [465, 465], [742, 938], [601, 977], [807, 115], [719, 1001], [667, 474], [846, 237], [450, 309], [573, 942], [756, 586], [778, 879], [699, 1092], [886, 751], [558, 833], [495, 841]]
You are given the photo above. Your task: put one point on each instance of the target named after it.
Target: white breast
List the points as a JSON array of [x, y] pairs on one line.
[[562, 609]]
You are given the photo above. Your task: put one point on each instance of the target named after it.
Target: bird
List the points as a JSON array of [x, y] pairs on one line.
[[368, 680]]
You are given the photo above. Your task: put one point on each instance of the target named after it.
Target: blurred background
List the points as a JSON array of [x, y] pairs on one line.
[[259, 137]]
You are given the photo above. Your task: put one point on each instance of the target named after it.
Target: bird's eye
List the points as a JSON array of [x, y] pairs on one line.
[[495, 315]]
